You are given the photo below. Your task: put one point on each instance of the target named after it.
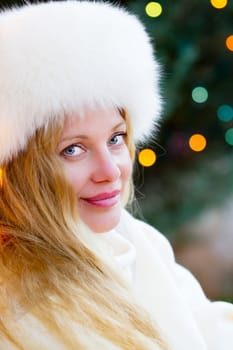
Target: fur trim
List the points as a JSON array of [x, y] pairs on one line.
[[59, 57]]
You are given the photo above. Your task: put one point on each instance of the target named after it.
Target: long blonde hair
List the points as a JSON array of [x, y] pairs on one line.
[[48, 269]]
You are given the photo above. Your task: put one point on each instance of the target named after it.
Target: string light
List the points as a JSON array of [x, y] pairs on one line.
[[229, 136], [225, 113], [197, 142], [199, 94], [147, 157], [219, 4], [229, 42], [153, 9]]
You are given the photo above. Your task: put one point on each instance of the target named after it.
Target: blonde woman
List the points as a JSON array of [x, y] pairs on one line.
[[78, 89]]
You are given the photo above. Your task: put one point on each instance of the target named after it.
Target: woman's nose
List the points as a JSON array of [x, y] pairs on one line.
[[107, 168]]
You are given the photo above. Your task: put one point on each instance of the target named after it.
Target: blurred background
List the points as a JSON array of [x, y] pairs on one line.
[[184, 176], [185, 186]]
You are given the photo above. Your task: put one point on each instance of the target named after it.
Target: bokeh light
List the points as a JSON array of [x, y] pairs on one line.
[[153, 9], [199, 94], [197, 142], [229, 42], [147, 157], [229, 136], [225, 113], [219, 4]]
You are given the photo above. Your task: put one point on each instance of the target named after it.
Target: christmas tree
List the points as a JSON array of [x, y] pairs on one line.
[[193, 41]]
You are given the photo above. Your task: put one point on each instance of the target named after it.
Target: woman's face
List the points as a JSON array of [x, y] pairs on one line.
[[93, 151]]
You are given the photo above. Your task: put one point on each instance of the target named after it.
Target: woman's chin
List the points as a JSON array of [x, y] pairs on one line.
[[102, 227], [102, 223]]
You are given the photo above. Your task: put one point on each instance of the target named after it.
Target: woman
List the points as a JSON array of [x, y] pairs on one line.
[[78, 88]]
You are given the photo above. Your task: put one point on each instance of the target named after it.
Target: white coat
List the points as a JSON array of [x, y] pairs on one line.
[[170, 292], [185, 317]]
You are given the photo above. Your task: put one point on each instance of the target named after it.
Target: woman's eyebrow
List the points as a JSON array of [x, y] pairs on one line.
[[73, 137], [123, 123]]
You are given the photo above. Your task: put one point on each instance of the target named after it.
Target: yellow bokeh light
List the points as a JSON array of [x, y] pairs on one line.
[[229, 42], [153, 9], [197, 142], [219, 4], [147, 157]]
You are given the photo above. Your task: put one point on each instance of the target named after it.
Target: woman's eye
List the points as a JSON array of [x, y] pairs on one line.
[[117, 139], [72, 151]]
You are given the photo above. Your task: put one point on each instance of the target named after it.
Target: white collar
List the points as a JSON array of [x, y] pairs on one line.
[[121, 250]]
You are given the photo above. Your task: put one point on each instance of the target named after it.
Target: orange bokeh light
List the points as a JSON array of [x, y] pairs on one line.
[[197, 142], [229, 42]]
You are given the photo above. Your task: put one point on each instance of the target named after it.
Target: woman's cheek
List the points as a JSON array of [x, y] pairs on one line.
[[127, 167], [74, 176]]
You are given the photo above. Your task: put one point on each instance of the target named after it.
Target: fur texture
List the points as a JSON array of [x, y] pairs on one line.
[[59, 57]]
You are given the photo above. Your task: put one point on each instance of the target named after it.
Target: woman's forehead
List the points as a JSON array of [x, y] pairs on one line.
[[92, 119]]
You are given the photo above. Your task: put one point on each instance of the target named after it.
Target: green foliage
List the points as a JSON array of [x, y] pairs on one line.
[[172, 197]]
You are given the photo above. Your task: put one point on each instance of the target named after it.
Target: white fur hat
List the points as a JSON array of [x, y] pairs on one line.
[[59, 57]]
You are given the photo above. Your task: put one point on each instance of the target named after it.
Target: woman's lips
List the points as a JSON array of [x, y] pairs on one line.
[[104, 200]]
